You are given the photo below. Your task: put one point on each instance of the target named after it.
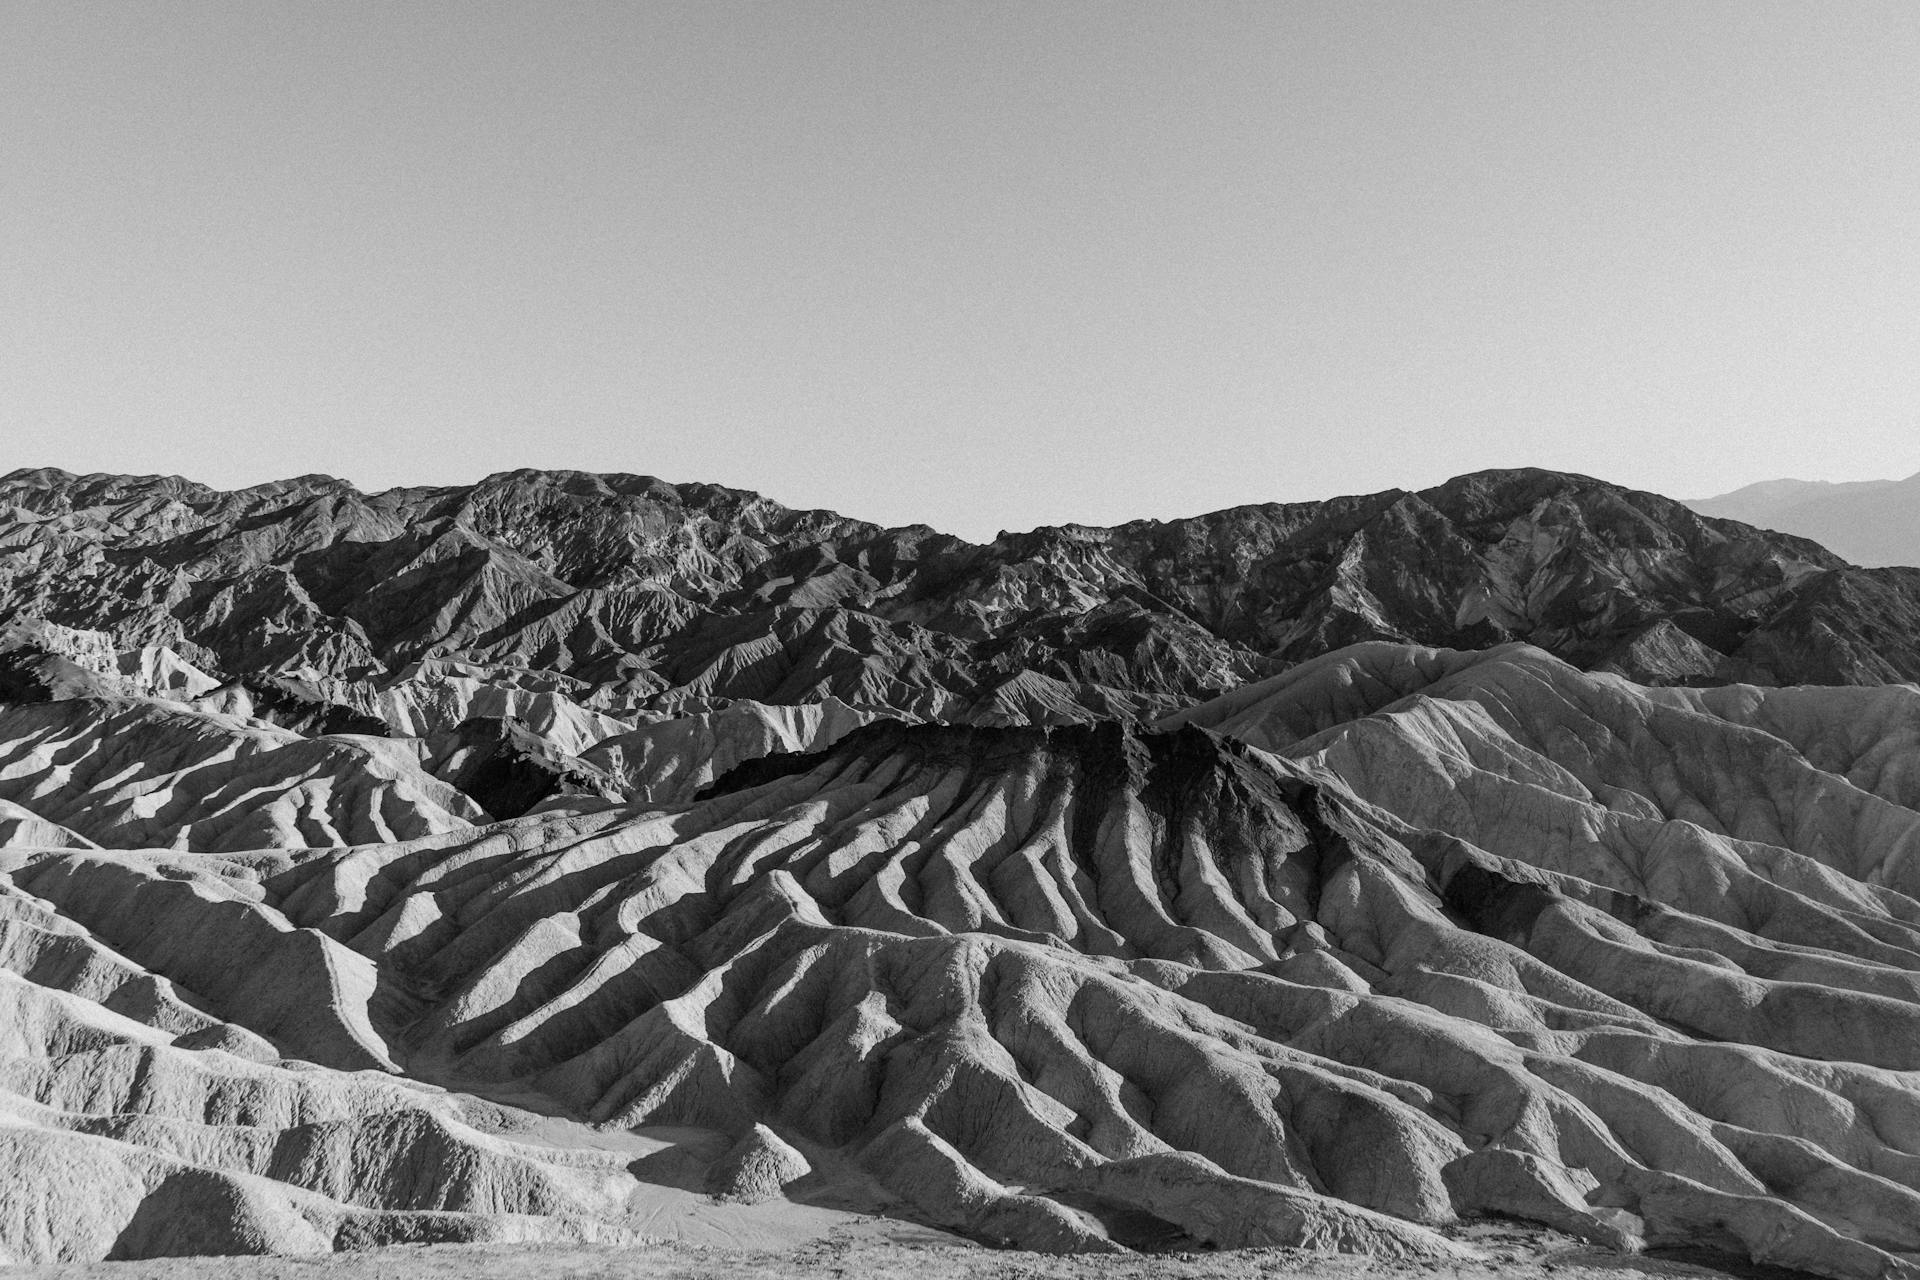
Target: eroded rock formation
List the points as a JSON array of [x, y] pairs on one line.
[[646, 596], [1390, 967], [491, 863]]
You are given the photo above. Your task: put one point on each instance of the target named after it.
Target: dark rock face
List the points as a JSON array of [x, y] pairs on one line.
[[304, 708], [508, 769], [675, 595]]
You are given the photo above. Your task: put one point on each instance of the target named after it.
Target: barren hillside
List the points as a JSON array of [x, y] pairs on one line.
[[582, 859]]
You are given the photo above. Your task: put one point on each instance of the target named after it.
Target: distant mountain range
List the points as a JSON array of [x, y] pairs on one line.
[[669, 598], [1870, 522]]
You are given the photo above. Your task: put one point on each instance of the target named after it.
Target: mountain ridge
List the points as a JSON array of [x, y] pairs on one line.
[[587, 858], [1875, 523], [628, 579]]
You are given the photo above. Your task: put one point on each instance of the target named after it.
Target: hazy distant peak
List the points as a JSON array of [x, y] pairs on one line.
[[1785, 490], [1870, 522]]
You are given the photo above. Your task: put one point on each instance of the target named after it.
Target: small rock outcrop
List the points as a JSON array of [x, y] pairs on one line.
[[761, 1166]]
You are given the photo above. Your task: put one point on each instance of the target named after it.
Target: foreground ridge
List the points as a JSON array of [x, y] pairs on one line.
[[1394, 939], [593, 859]]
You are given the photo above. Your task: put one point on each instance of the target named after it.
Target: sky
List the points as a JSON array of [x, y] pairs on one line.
[[978, 265]]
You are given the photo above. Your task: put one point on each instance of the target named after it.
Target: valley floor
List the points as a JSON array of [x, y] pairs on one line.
[[868, 1252]]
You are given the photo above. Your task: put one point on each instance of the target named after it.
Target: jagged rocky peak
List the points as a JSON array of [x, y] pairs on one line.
[[630, 582]]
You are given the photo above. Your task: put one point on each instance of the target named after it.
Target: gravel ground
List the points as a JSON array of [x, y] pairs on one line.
[[1510, 1253]]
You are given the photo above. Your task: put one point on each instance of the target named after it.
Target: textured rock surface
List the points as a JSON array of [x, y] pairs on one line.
[[131, 773], [571, 858], [555, 637], [1391, 968], [640, 595]]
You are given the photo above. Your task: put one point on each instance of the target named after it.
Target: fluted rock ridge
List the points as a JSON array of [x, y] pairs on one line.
[[1042, 981]]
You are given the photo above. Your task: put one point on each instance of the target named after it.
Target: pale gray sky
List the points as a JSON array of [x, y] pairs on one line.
[[979, 264]]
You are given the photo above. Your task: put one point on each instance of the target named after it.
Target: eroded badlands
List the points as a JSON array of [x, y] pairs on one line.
[[810, 876], [1402, 937]]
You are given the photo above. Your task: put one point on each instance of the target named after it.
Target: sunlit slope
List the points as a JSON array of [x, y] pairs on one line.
[[132, 774], [1403, 967]]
